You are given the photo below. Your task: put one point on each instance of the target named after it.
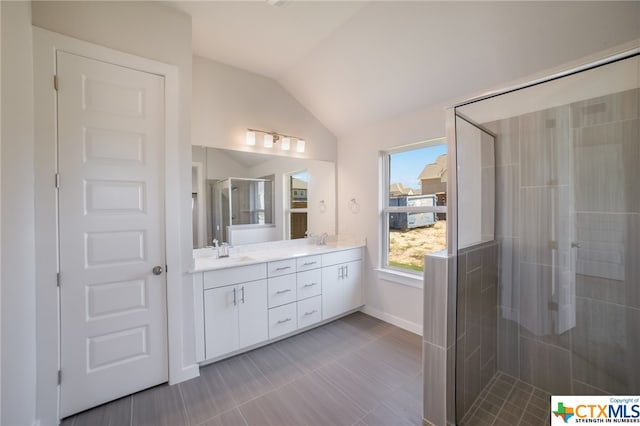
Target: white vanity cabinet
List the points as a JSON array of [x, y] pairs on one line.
[[341, 282], [243, 306], [235, 315]]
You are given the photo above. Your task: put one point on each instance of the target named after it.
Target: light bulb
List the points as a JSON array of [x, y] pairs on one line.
[[251, 137], [285, 144], [300, 146], [268, 140]]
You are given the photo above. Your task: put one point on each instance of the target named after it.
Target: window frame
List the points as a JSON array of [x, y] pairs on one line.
[[385, 209]]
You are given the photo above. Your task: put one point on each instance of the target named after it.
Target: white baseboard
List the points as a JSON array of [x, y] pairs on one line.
[[392, 319]]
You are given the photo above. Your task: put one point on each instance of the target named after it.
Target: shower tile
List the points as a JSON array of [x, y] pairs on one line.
[[435, 298], [606, 346], [606, 172], [473, 311], [489, 326], [580, 388], [606, 109], [600, 289], [488, 372], [461, 407], [508, 141], [509, 275], [435, 381], [490, 266], [508, 346], [507, 200], [474, 259], [461, 311], [545, 147], [632, 274], [472, 377], [545, 366]]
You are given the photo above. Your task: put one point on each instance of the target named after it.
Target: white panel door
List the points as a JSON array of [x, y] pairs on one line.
[[221, 321], [111, 165], [253, 314]]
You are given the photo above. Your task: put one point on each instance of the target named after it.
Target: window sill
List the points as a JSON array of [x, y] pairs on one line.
[[398, 277]]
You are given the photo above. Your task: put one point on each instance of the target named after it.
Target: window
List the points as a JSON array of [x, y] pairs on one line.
[[414, 209], [298, 186]]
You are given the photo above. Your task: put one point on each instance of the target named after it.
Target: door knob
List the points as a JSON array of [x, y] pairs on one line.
[[157, 270]]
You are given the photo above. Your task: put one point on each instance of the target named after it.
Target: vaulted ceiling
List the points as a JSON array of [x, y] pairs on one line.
[[352, 63]]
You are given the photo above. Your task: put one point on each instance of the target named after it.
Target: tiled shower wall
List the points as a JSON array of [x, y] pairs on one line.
[[568, 208], [476, 312]]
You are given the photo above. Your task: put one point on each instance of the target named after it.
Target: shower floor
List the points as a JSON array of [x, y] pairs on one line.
[[507, 401]]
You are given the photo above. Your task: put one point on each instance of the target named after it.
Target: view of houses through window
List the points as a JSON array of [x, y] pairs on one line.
[[415, 211]]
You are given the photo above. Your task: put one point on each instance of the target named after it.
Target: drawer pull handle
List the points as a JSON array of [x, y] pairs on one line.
[[309, 263], [310, 313], [284, 320], [283, 268], [310, 285], [283, 291]]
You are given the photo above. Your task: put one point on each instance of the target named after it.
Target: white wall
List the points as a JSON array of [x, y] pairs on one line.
[[153, 31], [18, 273], [358, 177], [228, 100]]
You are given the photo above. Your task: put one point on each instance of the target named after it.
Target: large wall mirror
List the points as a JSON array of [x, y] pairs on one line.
[[243, 197]]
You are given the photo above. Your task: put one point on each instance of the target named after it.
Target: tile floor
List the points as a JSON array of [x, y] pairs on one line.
[[354, 371], [507, 401]]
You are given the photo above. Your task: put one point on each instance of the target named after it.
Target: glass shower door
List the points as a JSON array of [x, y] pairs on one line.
[[567, 249]]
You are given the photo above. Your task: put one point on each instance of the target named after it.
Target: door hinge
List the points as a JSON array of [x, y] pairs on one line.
[[58, 279], [59, 377], [57, 180], [55, 82], [166, 268]]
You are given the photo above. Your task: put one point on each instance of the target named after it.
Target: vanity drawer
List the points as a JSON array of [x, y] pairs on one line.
[[309, 311], [281, 267], [228, 276], [308, 262], [309, 283], [342, 256], [282, 290], [282, 320]]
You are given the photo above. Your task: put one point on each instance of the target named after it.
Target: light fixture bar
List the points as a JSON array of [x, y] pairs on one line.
[[274, 134]]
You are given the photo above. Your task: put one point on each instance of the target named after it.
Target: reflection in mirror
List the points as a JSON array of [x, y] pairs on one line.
[[298, 202], [243, 197], [239, 201]]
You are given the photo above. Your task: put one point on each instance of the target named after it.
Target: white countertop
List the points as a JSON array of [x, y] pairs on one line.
[[206, 260]]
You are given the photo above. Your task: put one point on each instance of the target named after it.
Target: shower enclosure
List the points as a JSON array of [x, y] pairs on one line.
[[547, 254]]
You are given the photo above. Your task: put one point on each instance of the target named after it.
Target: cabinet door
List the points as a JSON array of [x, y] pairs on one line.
[[341, 288], [351, 289], [221, 321], [253, 314]]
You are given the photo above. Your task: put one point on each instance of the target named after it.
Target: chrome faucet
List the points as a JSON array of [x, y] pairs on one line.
[[223, 250]]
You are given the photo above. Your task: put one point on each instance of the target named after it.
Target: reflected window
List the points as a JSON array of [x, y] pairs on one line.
[[298, 203], [415, 199]]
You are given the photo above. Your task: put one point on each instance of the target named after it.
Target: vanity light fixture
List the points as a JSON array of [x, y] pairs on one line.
[[271, 138]]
